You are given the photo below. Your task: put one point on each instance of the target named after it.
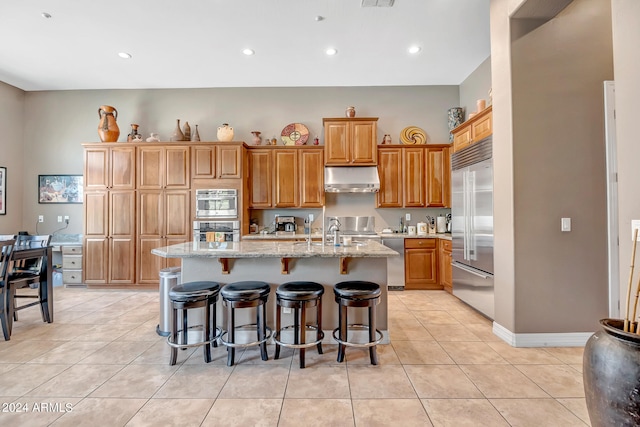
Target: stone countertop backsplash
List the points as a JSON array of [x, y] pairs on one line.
[[66, 239], [318, 236]]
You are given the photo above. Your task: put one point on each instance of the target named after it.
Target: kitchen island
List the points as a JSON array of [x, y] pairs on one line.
[[277, 262]]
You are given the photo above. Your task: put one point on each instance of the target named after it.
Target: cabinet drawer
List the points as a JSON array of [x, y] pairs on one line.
[[72, 262], [72, 250], [445, 245], [71, 276], [420, 243]]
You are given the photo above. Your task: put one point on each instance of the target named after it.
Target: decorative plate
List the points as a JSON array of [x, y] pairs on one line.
[[295, 134], [413, 135]]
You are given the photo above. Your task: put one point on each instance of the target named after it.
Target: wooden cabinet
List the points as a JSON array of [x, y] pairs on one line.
[[108, 167], [421, 264], [286, 177], [216, 161], [350, 141], [414, 176], [163, 219], [72, 264], [390, 174], [445, 270], [163, 167], [473, 130], [109, 237]]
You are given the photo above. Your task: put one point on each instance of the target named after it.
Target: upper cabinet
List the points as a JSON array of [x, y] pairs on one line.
[[473, 130], [163, 167], [286, 177], [350, 141], [109, 166], [414, 176], [219, 161]]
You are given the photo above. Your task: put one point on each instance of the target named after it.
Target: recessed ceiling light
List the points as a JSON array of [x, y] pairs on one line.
[[45, 15], [331, 51], [124, 55], [248, 52], [414, 49]]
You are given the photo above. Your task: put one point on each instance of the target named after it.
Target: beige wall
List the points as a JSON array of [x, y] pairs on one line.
[[57, 122], [11, 154], [550, 163], [626, 39], [476, 86]]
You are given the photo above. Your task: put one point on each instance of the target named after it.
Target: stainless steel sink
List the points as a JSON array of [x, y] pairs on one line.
[[353, 243]]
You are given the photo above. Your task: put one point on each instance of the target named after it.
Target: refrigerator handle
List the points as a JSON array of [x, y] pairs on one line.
[[465, 216], [468, 270]]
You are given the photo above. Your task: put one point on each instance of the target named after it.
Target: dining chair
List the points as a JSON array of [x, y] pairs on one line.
[[25, 273], [5, 258]]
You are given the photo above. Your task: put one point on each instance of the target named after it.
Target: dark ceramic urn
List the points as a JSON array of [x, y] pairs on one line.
[[611, 371]]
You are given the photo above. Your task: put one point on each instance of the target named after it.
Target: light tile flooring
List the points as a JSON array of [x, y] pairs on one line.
[[102, 364]]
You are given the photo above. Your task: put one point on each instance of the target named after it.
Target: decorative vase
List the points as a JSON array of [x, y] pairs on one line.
[[134, 136], [177, 133], [153, 137], [350, 112], [186, 131], [481, 104], [196, 135], [108, 129], [274, 141], [257, 139], [386, 139], [225, 133], [455, 118], [611, 373], [316, 140]]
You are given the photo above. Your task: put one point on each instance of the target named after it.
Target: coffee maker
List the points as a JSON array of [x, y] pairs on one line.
[[286, 223]]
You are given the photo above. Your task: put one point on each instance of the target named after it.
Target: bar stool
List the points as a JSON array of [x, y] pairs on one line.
[[299, 296], [245, 294], [357, 294], [202, 294]]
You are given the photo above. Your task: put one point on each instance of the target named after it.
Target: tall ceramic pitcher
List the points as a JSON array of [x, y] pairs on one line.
[[107, 127]]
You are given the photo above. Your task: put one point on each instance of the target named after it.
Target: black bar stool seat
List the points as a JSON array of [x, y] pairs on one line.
[[245, 294], [299, 296], [357, 293], [200, 294]]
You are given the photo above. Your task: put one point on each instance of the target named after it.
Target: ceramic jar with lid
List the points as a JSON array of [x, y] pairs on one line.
[[350, 112], [225, 133]]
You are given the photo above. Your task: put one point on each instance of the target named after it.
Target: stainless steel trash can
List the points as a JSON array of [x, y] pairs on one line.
[[169, 277]]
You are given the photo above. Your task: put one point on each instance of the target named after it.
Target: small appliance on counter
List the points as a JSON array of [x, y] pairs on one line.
[[216, 231], [286, 224]]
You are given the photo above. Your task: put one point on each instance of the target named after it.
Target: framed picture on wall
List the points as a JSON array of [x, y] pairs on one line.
[[3, 190], [59, 188]]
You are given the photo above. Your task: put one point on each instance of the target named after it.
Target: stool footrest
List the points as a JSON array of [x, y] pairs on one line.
[[355, 344], [276, 337], [196, 344], [253, 326]]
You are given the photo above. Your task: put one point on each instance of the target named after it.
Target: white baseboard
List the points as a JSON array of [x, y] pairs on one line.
[[564, 339]]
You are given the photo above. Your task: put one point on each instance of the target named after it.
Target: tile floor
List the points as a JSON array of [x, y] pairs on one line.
[[102, 364]]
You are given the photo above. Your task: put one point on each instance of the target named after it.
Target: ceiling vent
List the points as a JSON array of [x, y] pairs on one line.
[[377, 3]]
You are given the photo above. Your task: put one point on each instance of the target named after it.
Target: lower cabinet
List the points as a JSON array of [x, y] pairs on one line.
[[421, 264], [71, 264], [445, 270]]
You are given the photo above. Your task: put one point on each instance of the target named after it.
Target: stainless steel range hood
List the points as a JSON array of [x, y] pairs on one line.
[[360, 179]]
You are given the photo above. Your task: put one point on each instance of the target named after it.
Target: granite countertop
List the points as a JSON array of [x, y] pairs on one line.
[[272, 249], [444, 236], [66, 239]]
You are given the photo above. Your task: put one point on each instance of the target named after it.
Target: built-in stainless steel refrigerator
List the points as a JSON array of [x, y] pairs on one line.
[[472, 226]]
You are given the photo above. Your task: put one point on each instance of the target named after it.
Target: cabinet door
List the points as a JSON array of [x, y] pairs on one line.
[[445, 270], [312, 178], [421, 264], [96, 169], [286, 179], [336, 143], [390, 173], [260, 181], [150, 168], [364, 143], [462, 138], [122, 168], [176, 215], [95, 266], [150, 213], [229, 161], [176, 169], [414, 173], [482, 127], [203, 161], [122, 211], [96, 214], [122, 260], [438, 177]]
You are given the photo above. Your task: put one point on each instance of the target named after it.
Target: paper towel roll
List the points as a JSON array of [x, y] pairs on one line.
[[441, 224]]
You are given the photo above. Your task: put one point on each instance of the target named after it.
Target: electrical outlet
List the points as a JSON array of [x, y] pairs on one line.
[[565, 224], [40, 218], [407, 216], [59, 218], [310, 217], [635, 225]]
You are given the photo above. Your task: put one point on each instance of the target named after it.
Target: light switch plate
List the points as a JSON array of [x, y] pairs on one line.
[[565, 224], [407, 216], [40, 218], [59, 218]]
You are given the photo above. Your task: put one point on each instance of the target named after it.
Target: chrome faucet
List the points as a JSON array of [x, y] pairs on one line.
[[334, 228]]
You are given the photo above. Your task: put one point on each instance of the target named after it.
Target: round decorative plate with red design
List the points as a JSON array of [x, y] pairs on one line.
[[295, 134]]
